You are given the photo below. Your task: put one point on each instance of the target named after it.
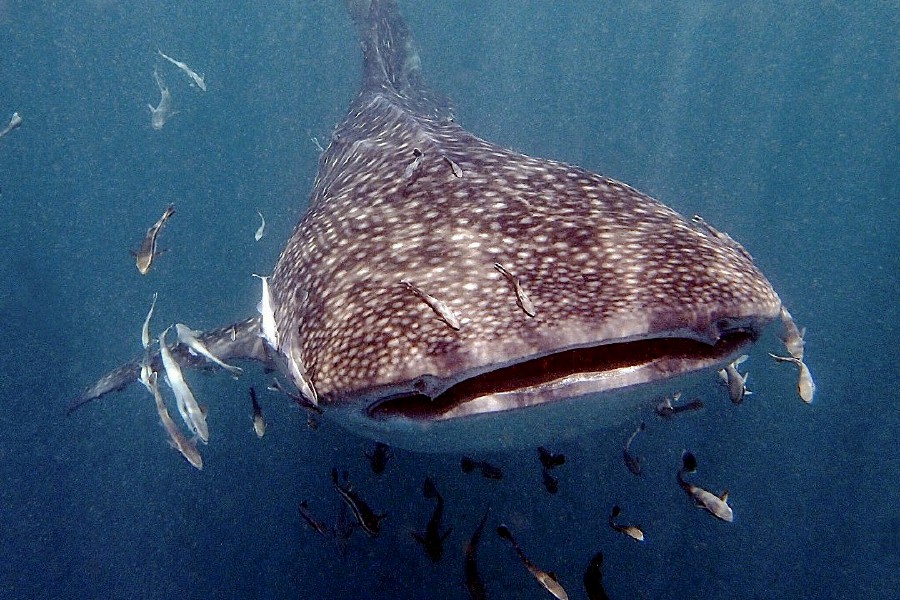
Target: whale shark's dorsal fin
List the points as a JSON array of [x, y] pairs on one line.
[[391, 61]]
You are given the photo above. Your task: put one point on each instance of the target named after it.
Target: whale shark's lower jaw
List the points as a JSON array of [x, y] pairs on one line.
[[609, 367]]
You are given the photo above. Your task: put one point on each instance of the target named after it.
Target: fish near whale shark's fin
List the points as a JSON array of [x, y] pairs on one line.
[[236, 341]]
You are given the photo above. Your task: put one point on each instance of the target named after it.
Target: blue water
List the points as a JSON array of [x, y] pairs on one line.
[[778, 122]]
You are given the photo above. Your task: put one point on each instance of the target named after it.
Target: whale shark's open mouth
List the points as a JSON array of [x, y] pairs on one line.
[[564, 374]]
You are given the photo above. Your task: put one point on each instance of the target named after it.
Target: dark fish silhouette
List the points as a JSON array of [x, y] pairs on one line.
[[634, 463], [488, 471], [366, 518], [550, 482], [593, 579], [667, 410], [433, 539], [378, 457], [549, 460], [438, 276], [474, 583], [313, 523]]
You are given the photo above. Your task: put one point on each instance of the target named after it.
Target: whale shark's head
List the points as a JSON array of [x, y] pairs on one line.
[[439, 279]]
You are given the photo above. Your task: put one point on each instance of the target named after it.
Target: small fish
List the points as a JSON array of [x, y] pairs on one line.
[[473, 579], [550, 482], [549, 460], [301, 401], [369, 520], [737, 383], [631, 531], [378, 457], [413, 167], [163, 112], [667, 410], [185, 447], [262, 227], [717, 505], [145, 331], [593, 579], [455, 168], [546, 578], [633, 463], [146, 368], [259, 425], [187, 405], [522, 298], [14, 123], [191, 338], [440, 308], [299, 375], [806, 387], [197, 79], [433, 539], [147, 252], [343, 529], [791, 335], [313, 523], [266, 310], [488, 471]]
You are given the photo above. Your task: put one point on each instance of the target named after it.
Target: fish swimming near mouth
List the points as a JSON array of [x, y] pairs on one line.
[[390, 309]]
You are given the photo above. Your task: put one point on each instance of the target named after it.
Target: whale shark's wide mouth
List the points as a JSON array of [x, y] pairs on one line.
[[565, 374]]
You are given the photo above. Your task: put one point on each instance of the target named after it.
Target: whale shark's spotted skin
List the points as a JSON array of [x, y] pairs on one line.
[[599, 260], [387, 301]]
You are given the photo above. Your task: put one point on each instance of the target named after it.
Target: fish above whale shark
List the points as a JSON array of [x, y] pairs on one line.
[[442, 292]]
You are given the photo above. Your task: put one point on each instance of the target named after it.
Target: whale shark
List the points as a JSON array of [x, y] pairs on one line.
[[444, 292]]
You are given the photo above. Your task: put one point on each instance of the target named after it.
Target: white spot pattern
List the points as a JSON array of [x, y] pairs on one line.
[[601, 260]]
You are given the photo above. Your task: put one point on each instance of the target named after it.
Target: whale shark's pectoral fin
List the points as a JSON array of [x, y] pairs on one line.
[[240, 340]]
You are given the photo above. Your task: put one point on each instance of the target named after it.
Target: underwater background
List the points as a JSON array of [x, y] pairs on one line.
[[777, 122]]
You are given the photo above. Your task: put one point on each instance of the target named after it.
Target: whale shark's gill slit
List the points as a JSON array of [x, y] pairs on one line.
[[543, 371]]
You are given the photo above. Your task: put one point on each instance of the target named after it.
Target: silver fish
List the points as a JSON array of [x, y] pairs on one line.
[[145, 330], [145, 254], [190, 338], [163, 111], [806, 387], [631, 296], [716, 505], [14, 123], [632, 531], [185, 447], [197, 79], [259, 424], [261, 231], [736, 382], [547, 579], [792, 335], [190, 411]]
